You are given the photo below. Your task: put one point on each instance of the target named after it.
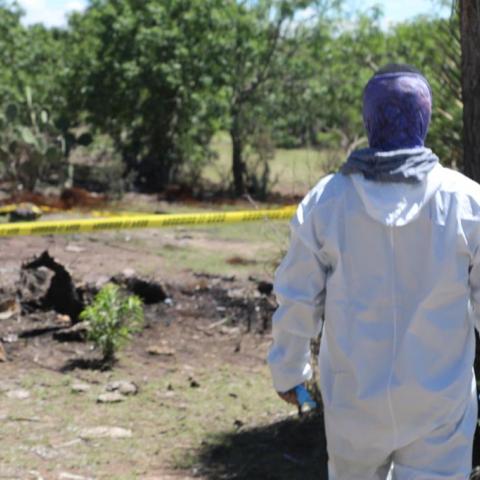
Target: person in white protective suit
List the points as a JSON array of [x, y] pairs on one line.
[[385, 255]]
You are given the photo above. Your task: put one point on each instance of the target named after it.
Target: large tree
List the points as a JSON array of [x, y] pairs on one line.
[[470, 28], [264, 36], [149, 74]]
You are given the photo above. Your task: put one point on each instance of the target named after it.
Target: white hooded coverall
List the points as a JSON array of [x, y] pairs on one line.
[[394, 271]]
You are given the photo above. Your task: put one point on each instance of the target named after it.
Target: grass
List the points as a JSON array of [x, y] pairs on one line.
[[293, 171], [170, 421], [210, 248]]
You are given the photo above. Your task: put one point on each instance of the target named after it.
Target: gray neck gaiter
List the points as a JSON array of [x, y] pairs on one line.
[[406, 165]]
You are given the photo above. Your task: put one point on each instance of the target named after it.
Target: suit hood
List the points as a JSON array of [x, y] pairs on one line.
[[394, 203]]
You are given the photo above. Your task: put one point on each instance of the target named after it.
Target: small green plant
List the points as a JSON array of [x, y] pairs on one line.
[[112, 319]]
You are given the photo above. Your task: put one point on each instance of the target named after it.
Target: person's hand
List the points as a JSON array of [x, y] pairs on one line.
[[289, 397]]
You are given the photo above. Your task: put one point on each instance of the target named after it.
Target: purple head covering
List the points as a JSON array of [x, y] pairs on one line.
[[397, 108]]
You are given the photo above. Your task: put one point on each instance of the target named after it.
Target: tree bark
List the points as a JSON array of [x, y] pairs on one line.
[[470, 30], [238, 165]]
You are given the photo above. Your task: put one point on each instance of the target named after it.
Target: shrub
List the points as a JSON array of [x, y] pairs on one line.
[[112, 319]]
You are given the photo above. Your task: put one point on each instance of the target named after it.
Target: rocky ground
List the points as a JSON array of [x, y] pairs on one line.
[[190, 396]]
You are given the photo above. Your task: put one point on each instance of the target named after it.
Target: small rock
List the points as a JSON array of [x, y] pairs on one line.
[[105, 432], [237, 293], [63, 319], [123, 386], [10, 338], [129, 272], [8, 308], [161, 350], [34, 474], [45, 452], [238, 423], [193, 383], [229, 330], [74, 248], [80, 387], [18, 394], [71, 476], [111, 397]]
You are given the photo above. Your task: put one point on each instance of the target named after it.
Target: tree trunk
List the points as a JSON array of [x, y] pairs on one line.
[[470, 29], [238, 165]]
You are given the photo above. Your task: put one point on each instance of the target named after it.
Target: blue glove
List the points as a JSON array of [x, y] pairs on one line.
[[303, 397]]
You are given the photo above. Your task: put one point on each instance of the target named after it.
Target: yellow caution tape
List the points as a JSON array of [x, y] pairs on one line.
[[106, 213], [139, 221], [6, 209]]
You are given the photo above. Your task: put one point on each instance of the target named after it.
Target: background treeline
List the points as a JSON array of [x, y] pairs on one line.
[[138, 88]]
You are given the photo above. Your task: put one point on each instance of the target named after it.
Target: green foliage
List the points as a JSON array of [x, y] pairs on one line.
[[159, 78], [30, 148], [323, 98], [112, 319], [264, 36], [150, 74], [33, 149]]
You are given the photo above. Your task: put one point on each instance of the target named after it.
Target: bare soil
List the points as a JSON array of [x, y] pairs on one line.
[[205, 407]]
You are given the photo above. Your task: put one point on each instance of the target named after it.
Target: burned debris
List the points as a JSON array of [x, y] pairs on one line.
[[61, 294]]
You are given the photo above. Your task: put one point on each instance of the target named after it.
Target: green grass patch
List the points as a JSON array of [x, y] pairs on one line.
[[169, 419], [293, 171]]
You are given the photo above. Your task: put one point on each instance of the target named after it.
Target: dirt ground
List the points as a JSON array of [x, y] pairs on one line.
[[203, 406]]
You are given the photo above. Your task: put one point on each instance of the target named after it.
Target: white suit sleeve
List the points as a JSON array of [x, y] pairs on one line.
[[300, 290], [474, 279]]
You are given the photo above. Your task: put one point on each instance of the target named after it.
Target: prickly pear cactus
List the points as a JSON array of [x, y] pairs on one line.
[[32, 148]]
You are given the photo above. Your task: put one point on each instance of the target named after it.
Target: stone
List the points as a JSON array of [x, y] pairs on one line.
[[161, 350], [46, 453], [63, 319], [111, 397], [80, 387], [105, 432], [193, 383], [10, 338], [123, 386], [74, 248], [129, 272], [72, 476], [229, 330], [9, 308], [18, 394]]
